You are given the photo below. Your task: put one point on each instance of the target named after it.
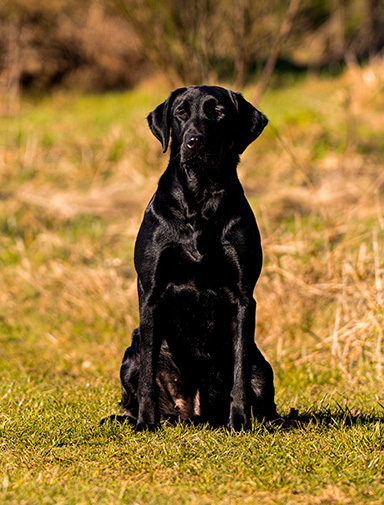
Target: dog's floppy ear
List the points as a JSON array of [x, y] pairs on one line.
[[251, 122], [159, 120]]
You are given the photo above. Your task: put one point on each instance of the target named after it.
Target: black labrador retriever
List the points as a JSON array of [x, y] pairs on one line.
[[198, 257]]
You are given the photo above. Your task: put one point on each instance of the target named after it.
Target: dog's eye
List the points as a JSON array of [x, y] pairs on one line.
[[183, 114]]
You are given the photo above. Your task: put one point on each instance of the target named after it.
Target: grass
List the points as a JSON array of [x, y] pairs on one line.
[[75, 175]]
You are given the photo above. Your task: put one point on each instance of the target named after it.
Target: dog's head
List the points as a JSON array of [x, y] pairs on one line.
[[207, 123]]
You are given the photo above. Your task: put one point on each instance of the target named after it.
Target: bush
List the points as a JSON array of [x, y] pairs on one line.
[[77, 44]]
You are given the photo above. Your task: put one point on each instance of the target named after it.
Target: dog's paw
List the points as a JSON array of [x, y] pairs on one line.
[[146, 427], [291, 421], [239, 421]]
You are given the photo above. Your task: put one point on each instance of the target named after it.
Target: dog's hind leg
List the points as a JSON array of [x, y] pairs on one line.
[[129, 374], [129, 377], [263, 391]]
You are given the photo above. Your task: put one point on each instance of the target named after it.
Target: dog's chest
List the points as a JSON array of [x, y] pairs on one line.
[[198, 245], [199, 255]]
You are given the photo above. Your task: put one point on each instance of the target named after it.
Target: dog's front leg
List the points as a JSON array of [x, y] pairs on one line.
[[243, 335], [148, 413]]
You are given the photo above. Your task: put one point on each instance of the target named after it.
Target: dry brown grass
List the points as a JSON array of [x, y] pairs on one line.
[[321, 293]]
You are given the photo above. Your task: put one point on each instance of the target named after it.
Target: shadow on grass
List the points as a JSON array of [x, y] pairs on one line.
[[327, 416], [332, 415]]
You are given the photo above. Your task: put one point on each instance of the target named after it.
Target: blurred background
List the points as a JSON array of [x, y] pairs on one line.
[[99, 45]]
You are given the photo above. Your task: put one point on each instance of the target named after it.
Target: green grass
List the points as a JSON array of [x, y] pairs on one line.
[[75, 175], [55, 452]]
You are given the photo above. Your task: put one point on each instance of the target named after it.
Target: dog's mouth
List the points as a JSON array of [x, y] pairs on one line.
[[192, 157], [195, 153], [203, 161]]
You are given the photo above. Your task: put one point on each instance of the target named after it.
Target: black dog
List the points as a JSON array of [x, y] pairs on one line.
[[198, 257]]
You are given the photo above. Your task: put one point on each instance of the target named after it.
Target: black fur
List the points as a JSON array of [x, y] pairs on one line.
[[198, 257]]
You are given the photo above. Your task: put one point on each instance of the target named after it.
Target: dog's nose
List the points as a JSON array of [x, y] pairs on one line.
[[193, 142]]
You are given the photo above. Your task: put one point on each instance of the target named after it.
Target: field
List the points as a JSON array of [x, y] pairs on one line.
[[76, 172]]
